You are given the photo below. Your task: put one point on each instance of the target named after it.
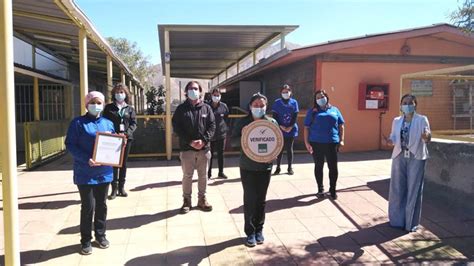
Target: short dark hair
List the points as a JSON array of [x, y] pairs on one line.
[[215, 90], [413, 98], [255, 97], [324, 93], [285, 87]]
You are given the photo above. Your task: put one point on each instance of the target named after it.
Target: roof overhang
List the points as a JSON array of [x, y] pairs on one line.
[[205, 51], [437, 31], [53, 26]]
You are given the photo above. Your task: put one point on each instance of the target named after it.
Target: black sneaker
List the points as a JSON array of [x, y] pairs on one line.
[[103, 243], [251, 242], [333, 195], [86, 248], [320, 194], [290, 171], [222, 175], [277, 171], [259, 237]]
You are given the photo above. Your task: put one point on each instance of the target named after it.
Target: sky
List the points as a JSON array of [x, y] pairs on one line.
[[318, 20]]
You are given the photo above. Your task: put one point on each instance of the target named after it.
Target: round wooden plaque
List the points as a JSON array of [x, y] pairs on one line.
[[262, 141]]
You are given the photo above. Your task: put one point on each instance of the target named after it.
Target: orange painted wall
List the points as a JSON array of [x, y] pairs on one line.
[[341, 80]]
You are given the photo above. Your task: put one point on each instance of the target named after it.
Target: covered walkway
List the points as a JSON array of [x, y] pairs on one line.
[[147, 229]]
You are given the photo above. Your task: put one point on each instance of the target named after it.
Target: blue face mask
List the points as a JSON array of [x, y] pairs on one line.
[[95, 109], [120, 97], [408, 108], [193, 94], [258, 112], [322, 101]]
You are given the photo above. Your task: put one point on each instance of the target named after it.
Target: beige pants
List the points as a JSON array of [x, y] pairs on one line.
[[191, 160]]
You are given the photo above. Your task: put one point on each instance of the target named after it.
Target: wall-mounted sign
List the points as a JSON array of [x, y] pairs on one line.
[[262, 141], [167, 57], [422, 87]]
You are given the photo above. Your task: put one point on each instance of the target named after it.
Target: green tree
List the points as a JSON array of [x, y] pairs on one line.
[[132, 56], [463, 16]]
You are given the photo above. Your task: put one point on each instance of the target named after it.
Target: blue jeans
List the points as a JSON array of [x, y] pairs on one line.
[[406, 189]]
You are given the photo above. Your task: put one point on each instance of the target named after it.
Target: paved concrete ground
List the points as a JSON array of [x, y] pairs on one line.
[[147, 229]]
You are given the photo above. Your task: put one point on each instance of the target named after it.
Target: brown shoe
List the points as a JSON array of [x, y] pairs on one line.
[[186, 206], [204, 205]]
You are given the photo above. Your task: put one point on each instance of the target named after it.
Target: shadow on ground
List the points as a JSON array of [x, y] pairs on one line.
[[451, 226], [129, 222]]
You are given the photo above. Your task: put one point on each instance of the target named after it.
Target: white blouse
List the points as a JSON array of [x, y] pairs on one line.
[[416, 144]]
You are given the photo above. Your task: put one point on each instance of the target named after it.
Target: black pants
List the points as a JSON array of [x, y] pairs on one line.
[[93, 204], [217, 147], [121, 173], [288, 147], [255, 185], [328, 151]]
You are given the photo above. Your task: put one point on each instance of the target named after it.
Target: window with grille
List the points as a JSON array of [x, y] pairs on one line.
[[51, 102]]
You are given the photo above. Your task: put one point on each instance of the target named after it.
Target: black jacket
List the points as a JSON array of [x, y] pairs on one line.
[[111, 112], [192, 123], [245, 162], [221, 114]]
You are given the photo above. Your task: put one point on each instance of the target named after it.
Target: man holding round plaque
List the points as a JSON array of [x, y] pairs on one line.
[[261, 141], [194, 123]]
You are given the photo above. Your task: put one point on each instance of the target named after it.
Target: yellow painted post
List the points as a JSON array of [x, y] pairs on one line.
[[123, 76], [84, 79], [169, 146], [130, 87], [110, 76], [68, 103], [36, 109], [8, 139]]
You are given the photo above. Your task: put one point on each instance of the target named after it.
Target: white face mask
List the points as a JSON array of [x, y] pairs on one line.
[[258, 112], [286, 95], [216, 99]]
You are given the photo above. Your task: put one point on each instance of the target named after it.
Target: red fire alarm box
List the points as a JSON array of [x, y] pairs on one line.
[[373, 96]]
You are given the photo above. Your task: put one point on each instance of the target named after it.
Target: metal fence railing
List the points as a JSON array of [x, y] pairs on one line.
[[44, 140], [150, 138], [447, 102]]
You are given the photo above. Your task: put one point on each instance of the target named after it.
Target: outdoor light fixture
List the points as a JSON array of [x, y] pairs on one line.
[[53, 39]]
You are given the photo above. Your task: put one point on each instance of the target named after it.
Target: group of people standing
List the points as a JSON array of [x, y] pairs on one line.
[[202, 129]]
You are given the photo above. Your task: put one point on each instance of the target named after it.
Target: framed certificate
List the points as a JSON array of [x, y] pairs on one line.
[[109, 149], [262, 141]]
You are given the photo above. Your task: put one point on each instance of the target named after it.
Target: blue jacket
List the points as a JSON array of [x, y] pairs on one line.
[[80, 140]]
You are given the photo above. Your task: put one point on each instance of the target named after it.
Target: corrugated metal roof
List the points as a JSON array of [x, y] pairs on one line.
[[205, 51], [54, 26]]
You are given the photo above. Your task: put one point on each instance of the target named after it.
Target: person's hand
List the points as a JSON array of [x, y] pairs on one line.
[[92, 163], [197, 144], [341, 143], [309, 147], [388, 141], [426, 135]]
